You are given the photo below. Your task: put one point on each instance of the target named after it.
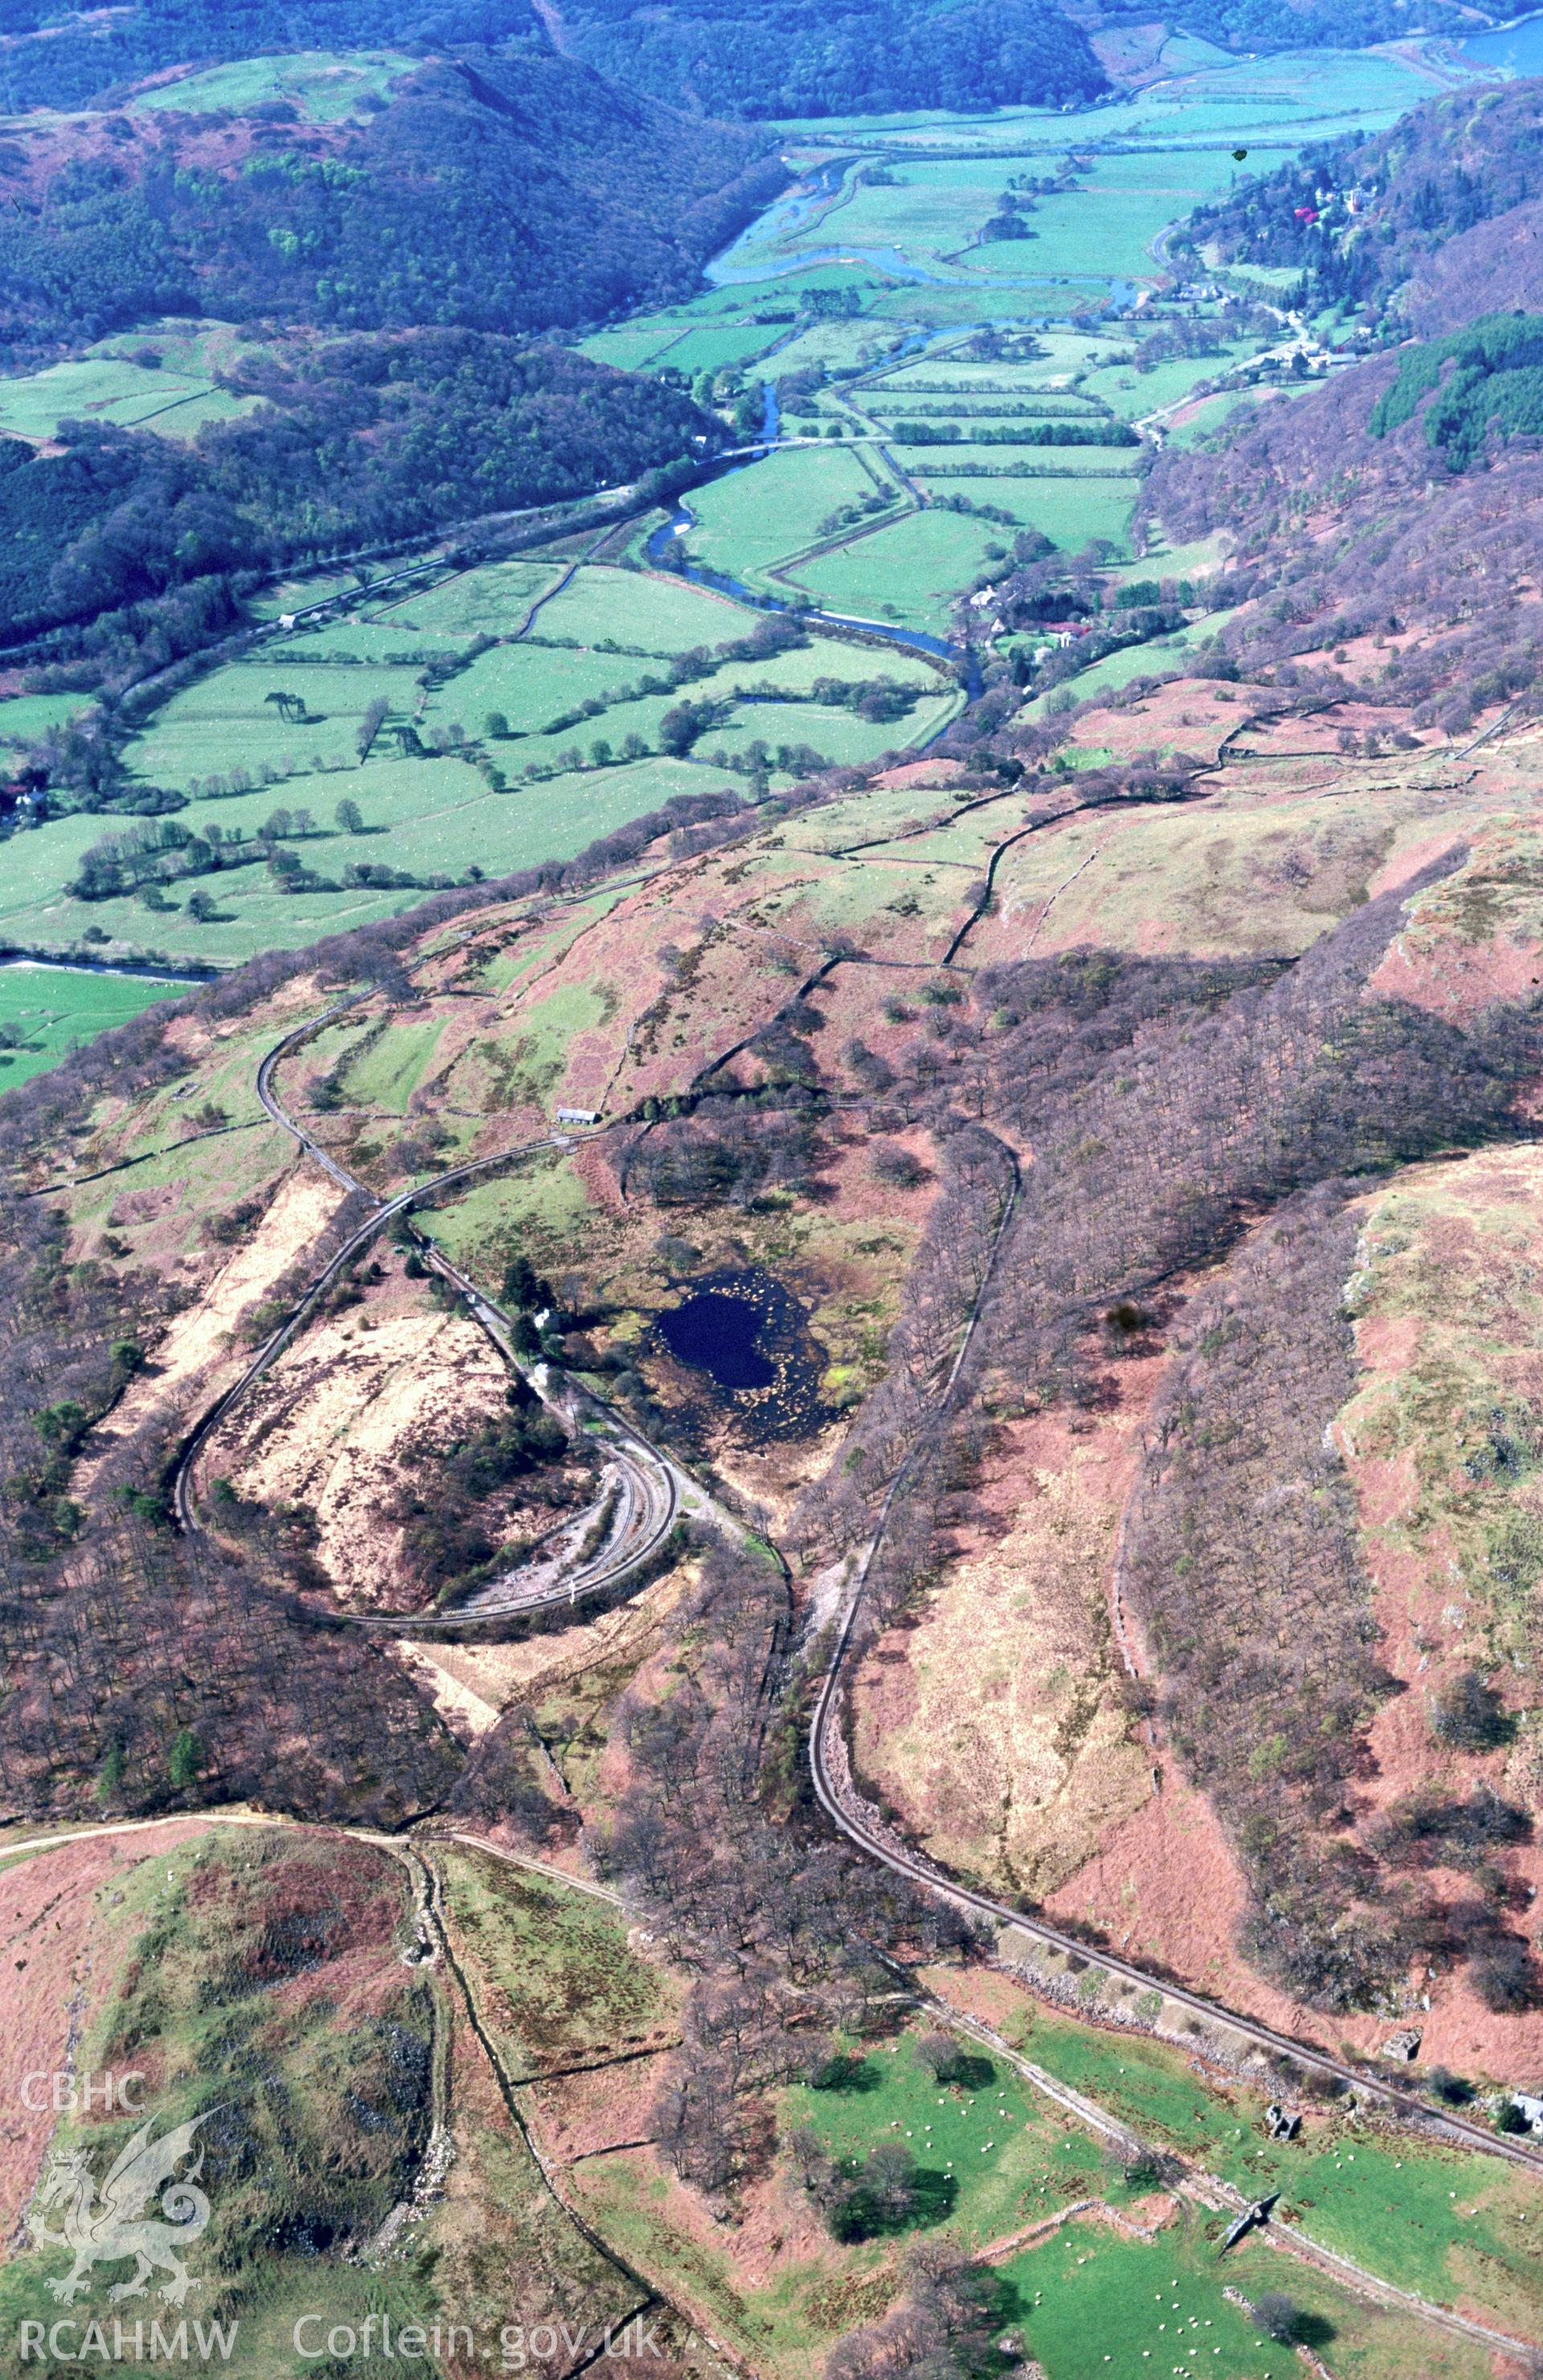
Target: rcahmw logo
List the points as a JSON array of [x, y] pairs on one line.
[[125, 2219]]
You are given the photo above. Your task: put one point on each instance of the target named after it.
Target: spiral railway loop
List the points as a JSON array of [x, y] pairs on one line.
[[660, 1490]]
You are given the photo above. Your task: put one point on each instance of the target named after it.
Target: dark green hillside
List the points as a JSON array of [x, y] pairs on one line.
[[1496, 383], [89, 52], [362, 441], [519, 193], [797, 57]]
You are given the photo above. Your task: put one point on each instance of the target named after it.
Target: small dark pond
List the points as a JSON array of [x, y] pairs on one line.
[[751, 1337], [719, 1335]]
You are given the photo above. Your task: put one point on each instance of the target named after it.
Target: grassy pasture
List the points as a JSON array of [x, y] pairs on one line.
[[931, 211], [385, 1072], [528, 681], [656, 612], [223, 720], [841, 346], [964, 376], [630, 346], [1300, 92], [946, 308], [1092, 2301], [1067, 511], [1013, 442], [994, 2138], [790, 2309], [713, 347], [25, 716], [921, 126], [1088, 2298], [320, 84], [1122, 204], [1444, 2223], [750, 520], [490, 601], [1213, 412], [531, 683], [439, 816], [1196, 559], [193, 347], [521, 1060], [838, 735], [112, 389], [1091, 2297], [400, 643], [915, 567], [292, 594], [54, 1010], [1131, 393], [538, 1208], [869, 816]]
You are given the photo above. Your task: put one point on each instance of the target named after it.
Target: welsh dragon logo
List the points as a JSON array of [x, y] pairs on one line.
[[105, 2232]]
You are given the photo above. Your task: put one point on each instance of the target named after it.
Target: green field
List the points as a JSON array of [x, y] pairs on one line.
[[569, 686], [915, 568], [1158, 657], [709, 348], [663, 615], [491, 601], [1213, 412], [751, 519], [1091, 2301], [576, 638], [631, 345], [45, 1011], [1444, 2223], [112, 389], [24, 717], [439, 817], [1068, 511], [321, 85], [993, 2139]]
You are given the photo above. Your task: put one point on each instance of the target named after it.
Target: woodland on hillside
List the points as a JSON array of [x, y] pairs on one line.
[[1364, 219], [518, 193], [1310, 24], [805, 57], [358, 442], [1168, 1107], [50, 63]]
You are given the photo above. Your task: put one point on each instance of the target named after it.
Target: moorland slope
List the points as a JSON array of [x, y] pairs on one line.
[[950, 1304]]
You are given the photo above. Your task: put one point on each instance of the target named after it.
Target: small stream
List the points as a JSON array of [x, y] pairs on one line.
[[683, 520]]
